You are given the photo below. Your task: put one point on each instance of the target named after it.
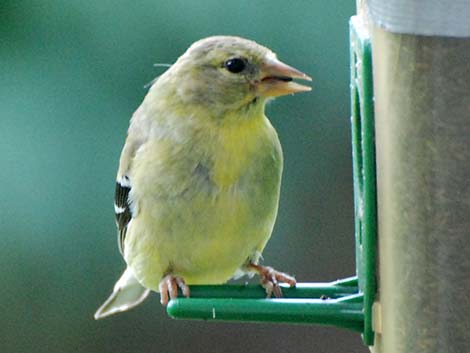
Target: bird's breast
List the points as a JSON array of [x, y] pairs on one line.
[[240, 150]]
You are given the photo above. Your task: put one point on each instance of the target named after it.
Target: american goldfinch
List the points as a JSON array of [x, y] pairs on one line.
[[198, 183]]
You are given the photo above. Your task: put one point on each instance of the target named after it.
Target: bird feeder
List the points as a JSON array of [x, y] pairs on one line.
[[345, 303]]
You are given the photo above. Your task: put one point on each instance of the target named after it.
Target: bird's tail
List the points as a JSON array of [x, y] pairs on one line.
[[127, 293]]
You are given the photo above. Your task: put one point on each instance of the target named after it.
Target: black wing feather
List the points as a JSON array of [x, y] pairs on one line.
[[122, 210]]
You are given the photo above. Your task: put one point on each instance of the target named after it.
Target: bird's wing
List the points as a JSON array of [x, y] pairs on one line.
[[122, 209], [136, 137]]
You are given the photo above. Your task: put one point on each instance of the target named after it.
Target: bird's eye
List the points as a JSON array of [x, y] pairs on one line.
[[235, 65]]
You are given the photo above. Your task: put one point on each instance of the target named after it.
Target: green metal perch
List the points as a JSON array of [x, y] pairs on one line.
[[336, 303]]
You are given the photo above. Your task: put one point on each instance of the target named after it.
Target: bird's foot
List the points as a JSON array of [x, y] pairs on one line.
[[270, 279], [168, 288]]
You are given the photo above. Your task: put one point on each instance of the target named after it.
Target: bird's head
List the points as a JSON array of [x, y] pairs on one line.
[[225, 73]]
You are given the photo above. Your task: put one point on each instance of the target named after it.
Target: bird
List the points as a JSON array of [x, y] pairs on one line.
[[198, 183]]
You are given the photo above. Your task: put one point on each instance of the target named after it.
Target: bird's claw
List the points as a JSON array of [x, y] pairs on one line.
[[168, 288], [270, 279]]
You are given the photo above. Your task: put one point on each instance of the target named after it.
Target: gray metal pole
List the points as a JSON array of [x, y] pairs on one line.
[[422, 112]]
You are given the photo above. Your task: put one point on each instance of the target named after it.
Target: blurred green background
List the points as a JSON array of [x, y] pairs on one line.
[[72, 73]]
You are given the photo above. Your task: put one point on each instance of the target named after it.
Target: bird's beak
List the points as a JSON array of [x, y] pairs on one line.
[[276, 79]]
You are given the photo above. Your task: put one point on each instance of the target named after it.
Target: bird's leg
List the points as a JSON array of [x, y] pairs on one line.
[[169, 286], [270, 279]]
